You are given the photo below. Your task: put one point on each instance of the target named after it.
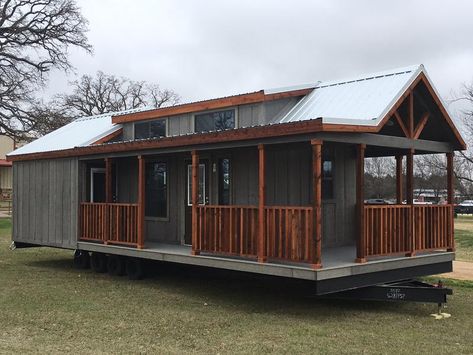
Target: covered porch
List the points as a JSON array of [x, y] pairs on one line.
[[285, 234]]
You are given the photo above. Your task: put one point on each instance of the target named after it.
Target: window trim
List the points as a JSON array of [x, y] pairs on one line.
[[166, 126], [234, 108], [167, 218], [189, 182], [92, 172]]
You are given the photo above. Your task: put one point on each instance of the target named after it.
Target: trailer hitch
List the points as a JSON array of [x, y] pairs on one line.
[[405, 291]]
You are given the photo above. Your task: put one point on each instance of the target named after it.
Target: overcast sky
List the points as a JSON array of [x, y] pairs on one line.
[[204, 49]]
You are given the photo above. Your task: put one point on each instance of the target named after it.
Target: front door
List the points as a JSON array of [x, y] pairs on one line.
[[203, 195]]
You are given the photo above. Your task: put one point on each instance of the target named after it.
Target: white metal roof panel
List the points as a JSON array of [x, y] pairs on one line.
[[81, 132], [362, 100]]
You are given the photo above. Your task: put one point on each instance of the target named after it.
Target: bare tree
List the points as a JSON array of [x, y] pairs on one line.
[[379, 177], [108, 93], [35, 36]]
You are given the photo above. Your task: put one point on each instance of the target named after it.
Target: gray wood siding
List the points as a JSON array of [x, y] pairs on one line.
[[45, 208], [247, 116]]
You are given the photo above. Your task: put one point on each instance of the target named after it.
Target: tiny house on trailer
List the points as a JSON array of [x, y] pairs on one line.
[[268, 182]]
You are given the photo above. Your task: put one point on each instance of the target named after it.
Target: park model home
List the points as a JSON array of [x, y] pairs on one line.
[[268, 182]]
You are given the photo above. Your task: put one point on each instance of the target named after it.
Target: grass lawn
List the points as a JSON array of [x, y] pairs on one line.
[[48, 307], [464, 238]]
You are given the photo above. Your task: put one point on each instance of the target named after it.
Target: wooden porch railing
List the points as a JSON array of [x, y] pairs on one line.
[[387, 229], [233, 230], [229, 230], [397, 229], [289, 233], [115, 223], [433, 227]]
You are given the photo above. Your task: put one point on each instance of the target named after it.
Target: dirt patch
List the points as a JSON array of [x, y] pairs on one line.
[[462, 270]]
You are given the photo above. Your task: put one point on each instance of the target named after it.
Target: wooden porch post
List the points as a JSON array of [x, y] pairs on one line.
[[108, 197], [317, 202], [360, 203], [399, 179], [195, 202], [141, 202], [410, 199], [261, 201], [450, 200]]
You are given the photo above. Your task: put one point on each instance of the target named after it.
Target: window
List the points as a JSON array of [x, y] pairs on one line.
[[224, 182], [214, 121], [201, 193], [156, 201], [327, 180], [150, 129]]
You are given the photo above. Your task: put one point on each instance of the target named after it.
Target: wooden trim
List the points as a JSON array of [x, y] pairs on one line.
[[141, 201], [317, 202], [243, 99], [399, 179], [410, 124], [261, 201], [360, 203], [108, 137], [421, 125], [195, 202], [401, 124]]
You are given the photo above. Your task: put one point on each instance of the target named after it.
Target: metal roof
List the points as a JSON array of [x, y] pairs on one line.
[[81, 132], [362, 101]]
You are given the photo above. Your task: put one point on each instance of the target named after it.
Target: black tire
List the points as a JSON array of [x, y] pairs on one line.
[[98, 262], [81, 259], [115, 265], [135, 268]]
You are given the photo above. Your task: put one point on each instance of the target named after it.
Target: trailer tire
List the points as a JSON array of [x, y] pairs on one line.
[[81, 259], [98, 262], [115, 265], [134, 268]]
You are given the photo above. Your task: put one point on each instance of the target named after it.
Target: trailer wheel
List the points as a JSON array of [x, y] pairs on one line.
[[134, 268], [115, 265], [98, 262], [81, 259]]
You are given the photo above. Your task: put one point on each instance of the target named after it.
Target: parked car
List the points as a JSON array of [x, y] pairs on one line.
[[466, 207], [377, 201]]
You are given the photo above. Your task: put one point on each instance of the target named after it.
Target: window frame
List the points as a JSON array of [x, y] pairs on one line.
[[235, 108], [154, 218], [166, 128]]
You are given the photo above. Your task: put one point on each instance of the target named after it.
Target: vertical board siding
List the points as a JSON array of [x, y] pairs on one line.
[[46, 207]]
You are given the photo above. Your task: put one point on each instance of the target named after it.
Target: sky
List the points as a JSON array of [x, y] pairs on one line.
[[204, 49]]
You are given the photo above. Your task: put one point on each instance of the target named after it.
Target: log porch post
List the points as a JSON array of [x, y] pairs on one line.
[[360, 203], [450, 200], [261, 200], [317, 202], [195, 202], [108, 197], [399, 179], [141, 202], [410, 200]]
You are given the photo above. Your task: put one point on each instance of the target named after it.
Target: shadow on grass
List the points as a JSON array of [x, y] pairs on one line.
[[250, 293]]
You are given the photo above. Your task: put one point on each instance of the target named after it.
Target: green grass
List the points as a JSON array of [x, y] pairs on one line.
[[464, 238], [48, 307]]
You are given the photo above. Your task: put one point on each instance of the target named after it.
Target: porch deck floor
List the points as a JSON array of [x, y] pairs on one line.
[[337, 262]]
